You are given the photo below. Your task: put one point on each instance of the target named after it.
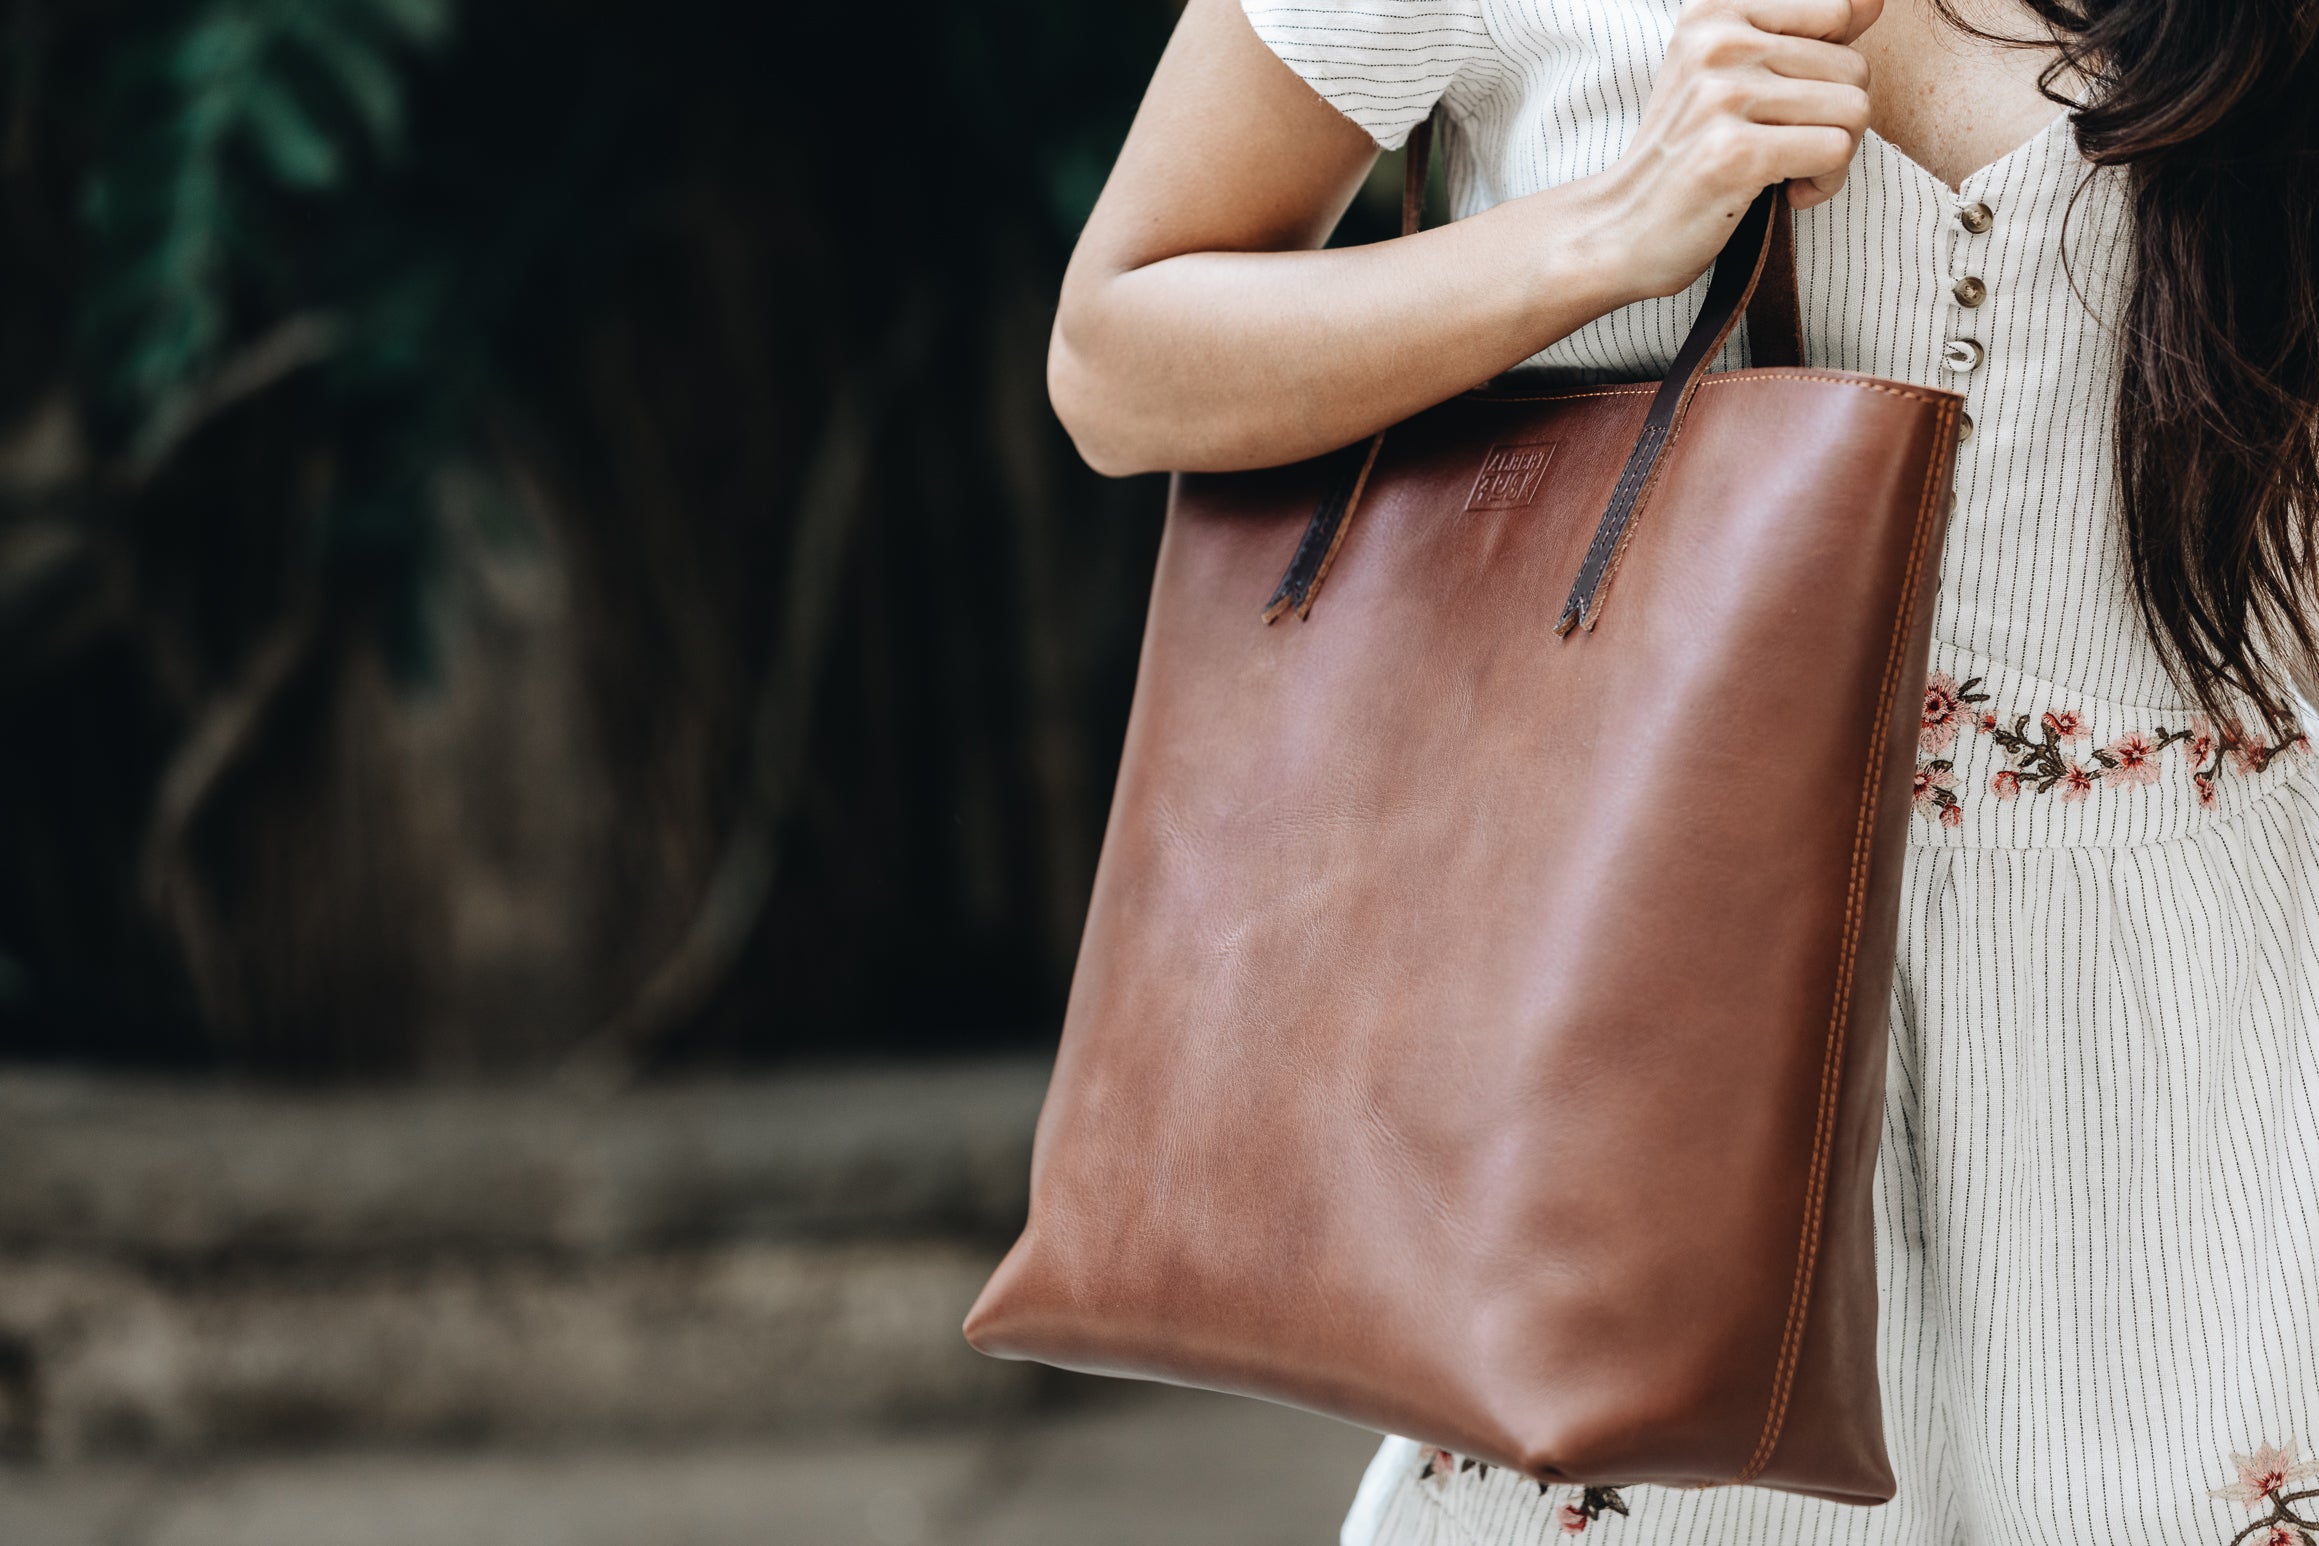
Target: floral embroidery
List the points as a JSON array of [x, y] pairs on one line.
[[1590, 1504], [1439, 1466], [1944, 712], [2263, 1480], [1936, 793], [2050, 761]]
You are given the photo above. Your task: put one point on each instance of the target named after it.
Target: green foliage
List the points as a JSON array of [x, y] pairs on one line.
[[224, 121]]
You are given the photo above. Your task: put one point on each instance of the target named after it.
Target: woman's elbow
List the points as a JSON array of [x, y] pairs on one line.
[[1091, 414]]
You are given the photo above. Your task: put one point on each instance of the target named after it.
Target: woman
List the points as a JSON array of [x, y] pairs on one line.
[[2099, 220]]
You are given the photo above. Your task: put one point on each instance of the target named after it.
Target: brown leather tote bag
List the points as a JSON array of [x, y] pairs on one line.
[[1479, 1031]]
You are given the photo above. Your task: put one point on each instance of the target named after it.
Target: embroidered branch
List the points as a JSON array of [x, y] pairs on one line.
[[1439, 1466], [2263, 1480], [2056, 757]]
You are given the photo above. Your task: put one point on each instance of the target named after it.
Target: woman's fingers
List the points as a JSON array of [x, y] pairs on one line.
[[1835, 21], [1822, 103], [1828, 19], [1865, 14], [1753, 92], [1810, 59], [1797, 153], [1804, 193]]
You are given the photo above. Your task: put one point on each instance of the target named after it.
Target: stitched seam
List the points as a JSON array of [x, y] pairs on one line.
[[1808, 1249], [1344, 524], [1730, 378], [1755, 378], [1560, 397], [1626, 500]]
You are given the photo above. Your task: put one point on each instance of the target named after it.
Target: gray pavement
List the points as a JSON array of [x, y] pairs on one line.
[[1131, 1466]]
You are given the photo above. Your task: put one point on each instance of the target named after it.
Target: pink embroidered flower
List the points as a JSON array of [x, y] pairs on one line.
[[2206, 795], [1933, 779], [1952, 815], [2198, 749], [1440, 1466], [2077, 781], [2245, 755], [1571, 1517], [2066, 725], [2133, 758], [1944, 709], [2301, 745], [1985, 722], [2005, 785], [2280, 1535], [2266, 1473]]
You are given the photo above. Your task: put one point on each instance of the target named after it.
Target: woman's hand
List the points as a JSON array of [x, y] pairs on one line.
[[1753, 92]]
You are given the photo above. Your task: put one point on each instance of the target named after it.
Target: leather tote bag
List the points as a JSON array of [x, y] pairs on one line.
[[1479, 1030]]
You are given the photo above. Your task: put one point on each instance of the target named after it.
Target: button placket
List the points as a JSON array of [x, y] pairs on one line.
[[1963, 356]]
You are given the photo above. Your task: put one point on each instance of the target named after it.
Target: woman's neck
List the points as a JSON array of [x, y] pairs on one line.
[[1949, 101]]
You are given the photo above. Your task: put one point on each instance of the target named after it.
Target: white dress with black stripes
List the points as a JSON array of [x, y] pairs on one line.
[[2098, 1222]]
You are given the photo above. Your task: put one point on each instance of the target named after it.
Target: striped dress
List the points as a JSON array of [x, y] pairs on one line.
[[2098, 1226]]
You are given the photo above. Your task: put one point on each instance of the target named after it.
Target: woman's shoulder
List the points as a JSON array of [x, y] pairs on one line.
[[1385, 64]]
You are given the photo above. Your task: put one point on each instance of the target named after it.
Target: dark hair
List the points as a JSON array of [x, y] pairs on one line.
[[2213, 107]]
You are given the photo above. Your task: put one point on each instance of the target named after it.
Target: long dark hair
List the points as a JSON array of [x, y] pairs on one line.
[[2213, 106]]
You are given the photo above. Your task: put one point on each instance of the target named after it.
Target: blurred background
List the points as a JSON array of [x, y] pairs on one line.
[[559, 686]]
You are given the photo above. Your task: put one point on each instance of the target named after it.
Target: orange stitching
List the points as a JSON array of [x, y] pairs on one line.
[[1808, 1249], [1787, 373], [1727, 378], [1479, 396]]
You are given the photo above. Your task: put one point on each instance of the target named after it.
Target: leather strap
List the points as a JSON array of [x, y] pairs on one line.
[[1414, 168], [1764, 234], [1755, 277], [1341, 495], [1775, 315]]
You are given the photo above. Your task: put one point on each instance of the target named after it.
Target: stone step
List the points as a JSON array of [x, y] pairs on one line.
[[745, 1339], [1147, 1467], [202, 1270], [163, 1172]]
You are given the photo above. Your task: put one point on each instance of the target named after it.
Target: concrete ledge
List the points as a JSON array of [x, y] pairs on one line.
[[164, 1172], [747, 1339], [196, 1270], [1146, 1467]]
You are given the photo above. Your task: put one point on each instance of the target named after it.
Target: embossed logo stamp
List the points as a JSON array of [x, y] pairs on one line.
[[1510, 476]]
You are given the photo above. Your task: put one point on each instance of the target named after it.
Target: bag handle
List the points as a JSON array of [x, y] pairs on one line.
[[1758, 264], [1755, 277], [1317, 549]]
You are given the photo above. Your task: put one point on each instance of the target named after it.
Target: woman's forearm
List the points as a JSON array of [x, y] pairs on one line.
[[1213, 361], [1203, 328]]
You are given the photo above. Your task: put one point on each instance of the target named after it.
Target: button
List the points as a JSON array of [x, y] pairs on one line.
[[1976, 217], [1970, 292], [1964, 428], [1961, 355]]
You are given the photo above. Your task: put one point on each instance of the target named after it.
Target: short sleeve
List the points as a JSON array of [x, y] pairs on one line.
[[1382, 63]]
